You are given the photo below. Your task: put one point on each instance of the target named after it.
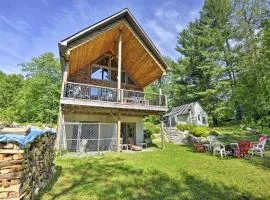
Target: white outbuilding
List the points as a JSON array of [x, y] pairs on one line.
[[191, 113]]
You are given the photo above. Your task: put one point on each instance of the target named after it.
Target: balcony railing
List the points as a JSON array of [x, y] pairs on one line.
[[106, 94]]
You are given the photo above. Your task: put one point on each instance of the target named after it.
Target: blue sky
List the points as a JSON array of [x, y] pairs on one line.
[[29, 28]]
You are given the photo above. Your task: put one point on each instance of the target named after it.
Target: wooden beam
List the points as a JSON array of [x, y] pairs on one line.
[[119, 65], [160, 99], [59, 121], [65, 75], [119, 132], [162, 132]]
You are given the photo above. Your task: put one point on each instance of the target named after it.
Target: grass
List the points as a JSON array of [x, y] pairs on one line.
[[174, 173]]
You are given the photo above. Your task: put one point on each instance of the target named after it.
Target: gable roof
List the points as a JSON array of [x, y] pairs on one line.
[[184, 109], [126, 14]]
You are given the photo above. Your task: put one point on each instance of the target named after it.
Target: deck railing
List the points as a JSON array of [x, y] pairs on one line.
[[99, 93]]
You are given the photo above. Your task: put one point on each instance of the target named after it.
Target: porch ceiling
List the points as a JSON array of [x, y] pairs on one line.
[[137, 60]]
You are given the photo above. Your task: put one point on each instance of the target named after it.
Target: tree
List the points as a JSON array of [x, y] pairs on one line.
[[212, 48], [10, 85], [38, 99]]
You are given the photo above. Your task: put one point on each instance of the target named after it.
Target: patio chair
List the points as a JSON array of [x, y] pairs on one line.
[[198, 146], [219, 148], [123, 146], [242, 149], [259, 147]]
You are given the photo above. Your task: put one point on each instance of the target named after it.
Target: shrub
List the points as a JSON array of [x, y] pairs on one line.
[[150, 129], [201, 131], [198, 131]]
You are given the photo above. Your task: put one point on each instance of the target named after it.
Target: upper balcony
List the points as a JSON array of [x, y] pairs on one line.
[[106, 97]]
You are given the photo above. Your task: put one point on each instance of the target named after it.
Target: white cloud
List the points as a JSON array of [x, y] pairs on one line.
[[19, 25], [9, 69], [163, 34], [179, 27], [11, 52], [167, 13], [193, 14]]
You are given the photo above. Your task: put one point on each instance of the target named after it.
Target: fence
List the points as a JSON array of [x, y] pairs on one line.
[[89, 137]]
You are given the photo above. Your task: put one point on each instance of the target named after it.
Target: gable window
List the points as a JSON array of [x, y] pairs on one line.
[[123, 77], [114, 75], [114, 63], [107, 69], [130, 81], [100, 73]]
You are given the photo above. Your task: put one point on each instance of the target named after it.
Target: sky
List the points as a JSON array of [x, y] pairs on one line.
[[30, 28]]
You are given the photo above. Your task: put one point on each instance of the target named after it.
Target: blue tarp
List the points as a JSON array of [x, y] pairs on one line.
[[22, 140]]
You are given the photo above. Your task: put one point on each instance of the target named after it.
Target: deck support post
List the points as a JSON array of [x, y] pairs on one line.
[[60, 114], [119, 132], [160, 99], [162, 132], [119, 66]]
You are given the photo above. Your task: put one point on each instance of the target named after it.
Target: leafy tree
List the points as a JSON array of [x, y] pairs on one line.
[[10, 85], [35, 97], [212, 49], [38, 99]]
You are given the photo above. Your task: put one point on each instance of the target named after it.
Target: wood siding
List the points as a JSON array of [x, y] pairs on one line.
[[137, 59]]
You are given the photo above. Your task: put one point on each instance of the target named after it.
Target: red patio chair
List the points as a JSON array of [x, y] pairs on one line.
[[242, 149]]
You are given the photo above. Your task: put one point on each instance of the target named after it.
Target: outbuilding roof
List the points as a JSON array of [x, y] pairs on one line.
[[181, 110]]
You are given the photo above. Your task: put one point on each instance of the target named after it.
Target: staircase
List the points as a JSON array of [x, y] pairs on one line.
[[175, 136]]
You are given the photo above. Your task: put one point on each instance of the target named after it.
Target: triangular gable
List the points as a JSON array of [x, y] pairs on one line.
[[139, 53]]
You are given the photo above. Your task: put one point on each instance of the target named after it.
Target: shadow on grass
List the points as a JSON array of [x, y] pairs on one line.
[[51, 183], [260, 162], [113, 179], [154, 145]]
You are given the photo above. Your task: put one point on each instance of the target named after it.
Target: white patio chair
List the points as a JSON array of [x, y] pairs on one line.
[[259, 147], [219, 148]]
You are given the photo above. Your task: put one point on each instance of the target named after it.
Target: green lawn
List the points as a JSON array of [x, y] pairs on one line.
[[174, 173]]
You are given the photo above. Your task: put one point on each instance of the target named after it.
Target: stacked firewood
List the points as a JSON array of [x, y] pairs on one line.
[[26, 170]]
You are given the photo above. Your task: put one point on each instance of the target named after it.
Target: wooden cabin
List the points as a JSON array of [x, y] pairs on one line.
[[106, 68]]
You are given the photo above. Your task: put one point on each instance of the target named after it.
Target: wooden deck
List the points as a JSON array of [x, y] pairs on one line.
[[105, 97]]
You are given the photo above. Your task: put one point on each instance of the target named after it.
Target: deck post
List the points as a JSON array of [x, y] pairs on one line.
[[162, 132], [60, 114], [160, 99], [119, 65], [65, 75], [118, 133]]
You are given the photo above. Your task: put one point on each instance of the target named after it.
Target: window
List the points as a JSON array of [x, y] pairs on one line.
[[130, 81], [114, 75], [104, 61], [100, 73], [106, 69], [114, 63], [204, 120], [123, 77], [199, 117]]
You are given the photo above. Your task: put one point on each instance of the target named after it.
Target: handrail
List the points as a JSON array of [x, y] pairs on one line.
[[89, 85], [147, 98], [111, 88]]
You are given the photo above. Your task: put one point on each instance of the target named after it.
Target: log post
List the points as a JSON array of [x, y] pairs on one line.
[[162, 132], [119, 133], [119, 66], [60, 114], [160, 97]]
